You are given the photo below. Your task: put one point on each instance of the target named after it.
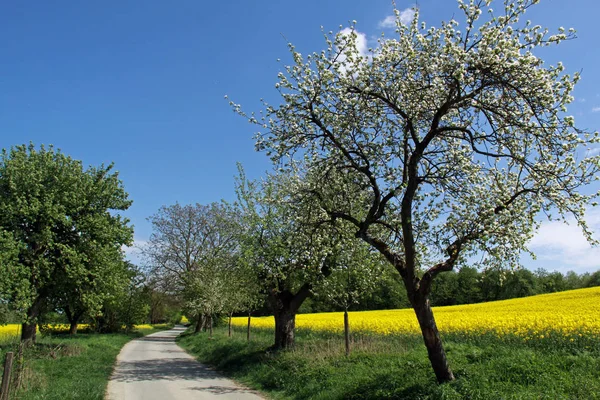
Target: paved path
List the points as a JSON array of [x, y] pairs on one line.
[[155, 368]]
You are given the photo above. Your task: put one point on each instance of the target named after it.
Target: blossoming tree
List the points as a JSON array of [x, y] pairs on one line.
[[289, 249], [286, 252], [457, 138]]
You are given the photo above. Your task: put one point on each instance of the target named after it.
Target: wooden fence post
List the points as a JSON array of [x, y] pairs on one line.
[[5, 388], [347, 332], [20, 365]]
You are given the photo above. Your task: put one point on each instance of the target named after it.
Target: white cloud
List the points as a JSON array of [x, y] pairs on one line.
[[361, 41], [132, 253], [361, 46], [388, 22], [596, 109], [406, 17], [564, 246]]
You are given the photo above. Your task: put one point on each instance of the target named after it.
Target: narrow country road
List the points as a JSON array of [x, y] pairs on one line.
[[155, 368]]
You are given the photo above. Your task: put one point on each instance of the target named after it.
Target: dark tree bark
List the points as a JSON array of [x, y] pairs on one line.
[[230, 315], [248, 331], [156, 308], [418, 290], [29, 328], [431, 337], [210, 322], [28, 332], [285, 324], [285, 305], [199, 324], [73, 317]]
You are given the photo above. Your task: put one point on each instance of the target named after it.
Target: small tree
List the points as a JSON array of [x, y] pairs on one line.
[[177, 244], [134, 301], [253, 300], [357, 271], [288, 250], [250, 293], [549, 282], [242, 291], [128, 304], [106, 272], [468, 287], [206, 291], [592, 280], [458, 138]]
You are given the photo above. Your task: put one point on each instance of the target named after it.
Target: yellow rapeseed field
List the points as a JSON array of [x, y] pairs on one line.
[[570, 314], [12, 332]]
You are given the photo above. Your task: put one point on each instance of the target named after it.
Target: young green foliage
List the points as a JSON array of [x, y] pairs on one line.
[[293, 253], [128, 303], [60, 218]]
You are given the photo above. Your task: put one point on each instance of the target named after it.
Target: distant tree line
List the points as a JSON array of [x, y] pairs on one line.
[[466, 286], [469, 285]]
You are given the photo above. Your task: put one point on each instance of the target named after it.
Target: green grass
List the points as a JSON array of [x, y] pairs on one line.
[[64, 367], [396, 367]]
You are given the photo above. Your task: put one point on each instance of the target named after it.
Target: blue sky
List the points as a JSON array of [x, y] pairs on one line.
[[142, 84]]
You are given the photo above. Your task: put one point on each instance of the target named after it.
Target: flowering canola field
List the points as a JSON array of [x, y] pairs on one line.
[[12, 332], [572, 314]]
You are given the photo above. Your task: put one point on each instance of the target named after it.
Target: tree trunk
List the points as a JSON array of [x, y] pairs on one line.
[[29, 328], [347, 332], [229, 325], [285, 324], [28, 332], [285, 305], [73, 318], [204, 320], [431, 337], [248, 331], [199, 324], [211, 326]]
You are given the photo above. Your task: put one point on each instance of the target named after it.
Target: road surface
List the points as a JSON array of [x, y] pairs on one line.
[[155, 368]]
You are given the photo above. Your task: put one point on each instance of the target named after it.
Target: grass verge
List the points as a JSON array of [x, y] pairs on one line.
[[396, 367], [62, 367]]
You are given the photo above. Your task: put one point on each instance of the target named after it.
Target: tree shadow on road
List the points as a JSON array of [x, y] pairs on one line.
[[168, 339], [163, 369], [215, 389]]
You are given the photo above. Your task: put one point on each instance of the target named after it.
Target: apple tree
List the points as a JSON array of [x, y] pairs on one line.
[[457, 135]]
